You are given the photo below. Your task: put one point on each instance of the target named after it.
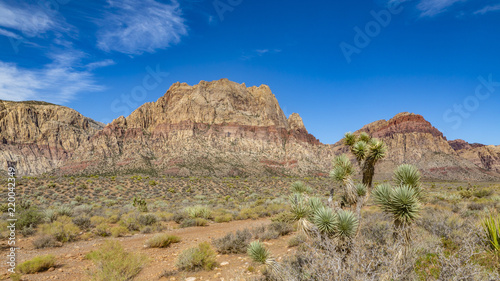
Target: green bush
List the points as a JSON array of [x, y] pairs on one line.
[[162, 241], [45, 241], [118, 231], [29, 217], [194, 222], [233, 243], [199, 212], [63, 230], [201, 257], [223, 218], [114, 263], [147, 219], [483, 193], [37, 264]]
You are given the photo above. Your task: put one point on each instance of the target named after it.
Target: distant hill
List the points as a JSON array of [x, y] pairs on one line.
[[218, 128]]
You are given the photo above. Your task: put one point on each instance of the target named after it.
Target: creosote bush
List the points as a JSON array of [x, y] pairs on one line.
[[197, 258], [233, 243], [114, 263], [162, 241], [37, 264]]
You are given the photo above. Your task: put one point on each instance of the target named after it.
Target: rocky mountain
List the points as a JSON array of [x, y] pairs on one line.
[[218, 128], [412, 139], [41, 136]]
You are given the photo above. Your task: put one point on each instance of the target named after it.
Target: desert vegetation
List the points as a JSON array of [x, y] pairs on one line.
[[328, 228]]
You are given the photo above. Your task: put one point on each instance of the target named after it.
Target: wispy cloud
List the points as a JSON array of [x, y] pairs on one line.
[[136, 26], [58, 82], [259, 53], [487, 9], [29, 20], [10, 34], [430, 8], [99, 64]]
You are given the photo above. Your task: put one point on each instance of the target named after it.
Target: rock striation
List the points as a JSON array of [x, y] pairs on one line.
[[218, 128]]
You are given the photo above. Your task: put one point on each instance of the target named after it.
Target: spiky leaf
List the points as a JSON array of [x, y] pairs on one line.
[[258, 252], [324, 219], [346, 224], [360, 150], [349, 139]]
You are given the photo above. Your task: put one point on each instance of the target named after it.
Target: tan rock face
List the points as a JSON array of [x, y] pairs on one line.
[[40, 136], [218, 128]]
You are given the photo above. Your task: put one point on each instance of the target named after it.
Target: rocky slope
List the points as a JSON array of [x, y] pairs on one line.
[[213, 128], [41, 136], [218, 128], [412, 139]]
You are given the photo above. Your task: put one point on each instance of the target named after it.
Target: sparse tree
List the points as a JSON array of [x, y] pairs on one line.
[[368, 151]]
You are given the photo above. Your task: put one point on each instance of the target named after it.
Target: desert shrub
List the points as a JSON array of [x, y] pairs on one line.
[[427, 266], [82, 210], [114, 263], [179, 217], [248, 213], [296, 240], [147, 219], [28, 231], [223, 218], [62, 229], [233, 243], [194, 222], [50, 215], [197, 258], [475, 206], [29, 217], [64, 211], [285, 217], [102, 230], [465, 194], [37, 264], [485, 192], [281, 228], [45, 241], [118, 231], [271, 231], [140, 204], [83, 222], [199, 212], [96, 220], [162, 241]]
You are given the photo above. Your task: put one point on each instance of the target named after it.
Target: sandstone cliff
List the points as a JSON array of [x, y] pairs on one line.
[[218, 128], [412, 139], [41, 136]]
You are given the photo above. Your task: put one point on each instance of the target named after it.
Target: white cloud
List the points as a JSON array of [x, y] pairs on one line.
[[10, 34], [139, 26], [30, 20], [99, 64], [430, 8], [57, 82], [487, 9]]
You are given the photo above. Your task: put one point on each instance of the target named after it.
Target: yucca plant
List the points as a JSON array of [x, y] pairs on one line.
[[402, 201], [368, 151], [342, 172], [346, 225], [492, 230], [300, 187], [324, 219], [301, 210], [315, 204], [360, 189], [258, 252]]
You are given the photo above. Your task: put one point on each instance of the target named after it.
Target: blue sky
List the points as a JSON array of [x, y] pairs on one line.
[[339, 64]]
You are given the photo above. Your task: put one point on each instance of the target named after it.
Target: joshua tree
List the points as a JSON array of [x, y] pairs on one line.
[[368, 151], [402, 201], [342, 172]]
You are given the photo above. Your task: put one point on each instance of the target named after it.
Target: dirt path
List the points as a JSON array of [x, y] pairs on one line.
[[72, 265]]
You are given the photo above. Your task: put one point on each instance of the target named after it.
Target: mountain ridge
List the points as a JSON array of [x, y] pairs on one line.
[[219, 128]]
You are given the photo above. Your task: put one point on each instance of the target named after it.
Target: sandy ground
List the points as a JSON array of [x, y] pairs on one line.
[[72, 265]]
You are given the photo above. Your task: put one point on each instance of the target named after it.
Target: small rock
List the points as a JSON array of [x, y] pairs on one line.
[[190, 279], [224, 263]]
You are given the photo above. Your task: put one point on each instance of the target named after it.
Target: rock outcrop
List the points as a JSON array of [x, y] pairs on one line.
[[218, 128], [40, 136]]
